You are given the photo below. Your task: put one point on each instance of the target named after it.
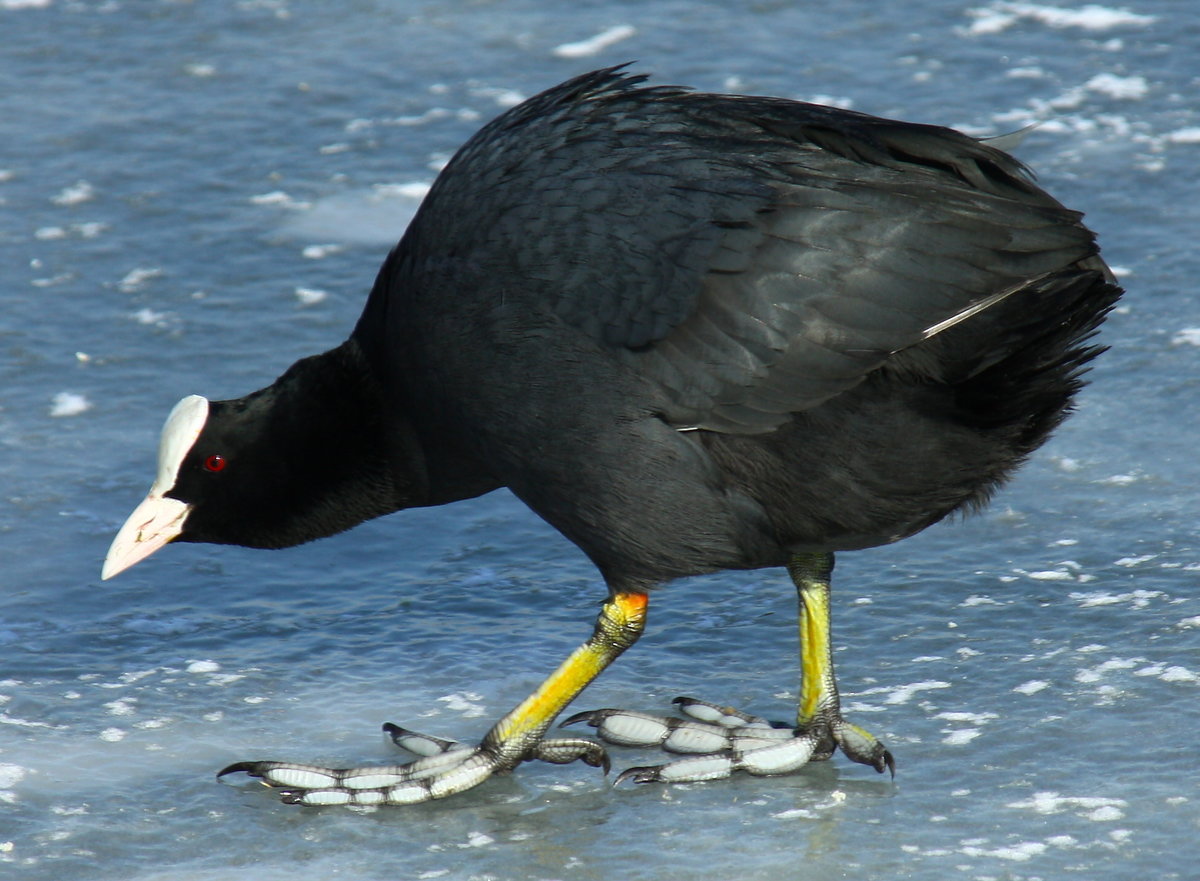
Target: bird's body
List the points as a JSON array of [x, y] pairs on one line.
[[693, 332]]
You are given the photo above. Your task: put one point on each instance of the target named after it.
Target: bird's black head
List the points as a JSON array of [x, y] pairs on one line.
[[313, 454]]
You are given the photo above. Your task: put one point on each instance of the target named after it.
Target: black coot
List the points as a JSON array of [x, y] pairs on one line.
[[693, 332]]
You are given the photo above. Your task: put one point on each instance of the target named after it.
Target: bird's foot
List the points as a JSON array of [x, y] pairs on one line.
[[862, 746], [720, 740], [444, 767]]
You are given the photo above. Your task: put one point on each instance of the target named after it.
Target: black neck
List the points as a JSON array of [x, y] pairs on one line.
[[317, 452]]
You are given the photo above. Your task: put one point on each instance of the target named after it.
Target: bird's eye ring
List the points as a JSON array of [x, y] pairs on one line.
[[215, 463]]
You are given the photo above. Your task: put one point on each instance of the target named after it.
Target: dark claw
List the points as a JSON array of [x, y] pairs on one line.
[[885, 760], [600, 761], [683, 700], [645, 774], [393, 731], [597, 758], [593, 717], [251, 768], [563, 752], [291, 797]]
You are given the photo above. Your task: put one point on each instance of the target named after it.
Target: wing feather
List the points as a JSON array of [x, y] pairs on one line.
[[748, 257]]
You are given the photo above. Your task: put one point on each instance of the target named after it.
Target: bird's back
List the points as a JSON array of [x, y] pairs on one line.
[[845, 327]]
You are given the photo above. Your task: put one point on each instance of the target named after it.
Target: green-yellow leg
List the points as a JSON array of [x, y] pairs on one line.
[[720, 740], [819, 714], [621, 621], [449, 767]]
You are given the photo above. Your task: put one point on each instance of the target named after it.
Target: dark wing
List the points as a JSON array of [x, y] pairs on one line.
[[751, 257]]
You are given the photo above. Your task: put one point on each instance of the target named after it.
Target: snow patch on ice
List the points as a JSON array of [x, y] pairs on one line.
[[6, 719], [976, 600], [69, 404], [1095, 674], [310, 296], [1125, 88], [137, 278], [1027, 73], [1137, 599], [904, 693], [79, 192], [477, 839], [281, 199], [1190, 135], [151, 318], [377, 215], [1025, 850], [122, 706], [411, 190], [596, 44], [1089, 806], [1130, 562], [961, 736], [1033, 686], [1175, 673], [466, 703], [320, 252], [1050, 575], [999, 16], [963, 716], [10, 775]]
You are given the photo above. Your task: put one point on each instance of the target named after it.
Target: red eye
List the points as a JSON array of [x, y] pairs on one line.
[[215, 463]]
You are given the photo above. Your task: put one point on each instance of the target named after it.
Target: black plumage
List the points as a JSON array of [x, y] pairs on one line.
[[693, 332]]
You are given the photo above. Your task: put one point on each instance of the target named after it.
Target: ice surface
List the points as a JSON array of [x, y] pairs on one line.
[[190, 175], [375, 216]]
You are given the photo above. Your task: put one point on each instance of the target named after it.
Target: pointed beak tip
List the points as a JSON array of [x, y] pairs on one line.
[[156, 522], [121, 556]]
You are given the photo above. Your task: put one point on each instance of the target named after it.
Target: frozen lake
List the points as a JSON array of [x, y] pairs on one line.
[[193, 195]]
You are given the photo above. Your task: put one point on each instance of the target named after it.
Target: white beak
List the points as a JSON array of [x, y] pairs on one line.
[[159, 519], [153, 523]]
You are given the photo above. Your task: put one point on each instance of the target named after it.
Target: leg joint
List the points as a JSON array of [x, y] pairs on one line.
[[622, 620]]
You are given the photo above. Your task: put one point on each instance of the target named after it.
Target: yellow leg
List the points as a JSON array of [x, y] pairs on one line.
[[621, 621], [720, 740], [446, 767], [819, 713], [818, 687]]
